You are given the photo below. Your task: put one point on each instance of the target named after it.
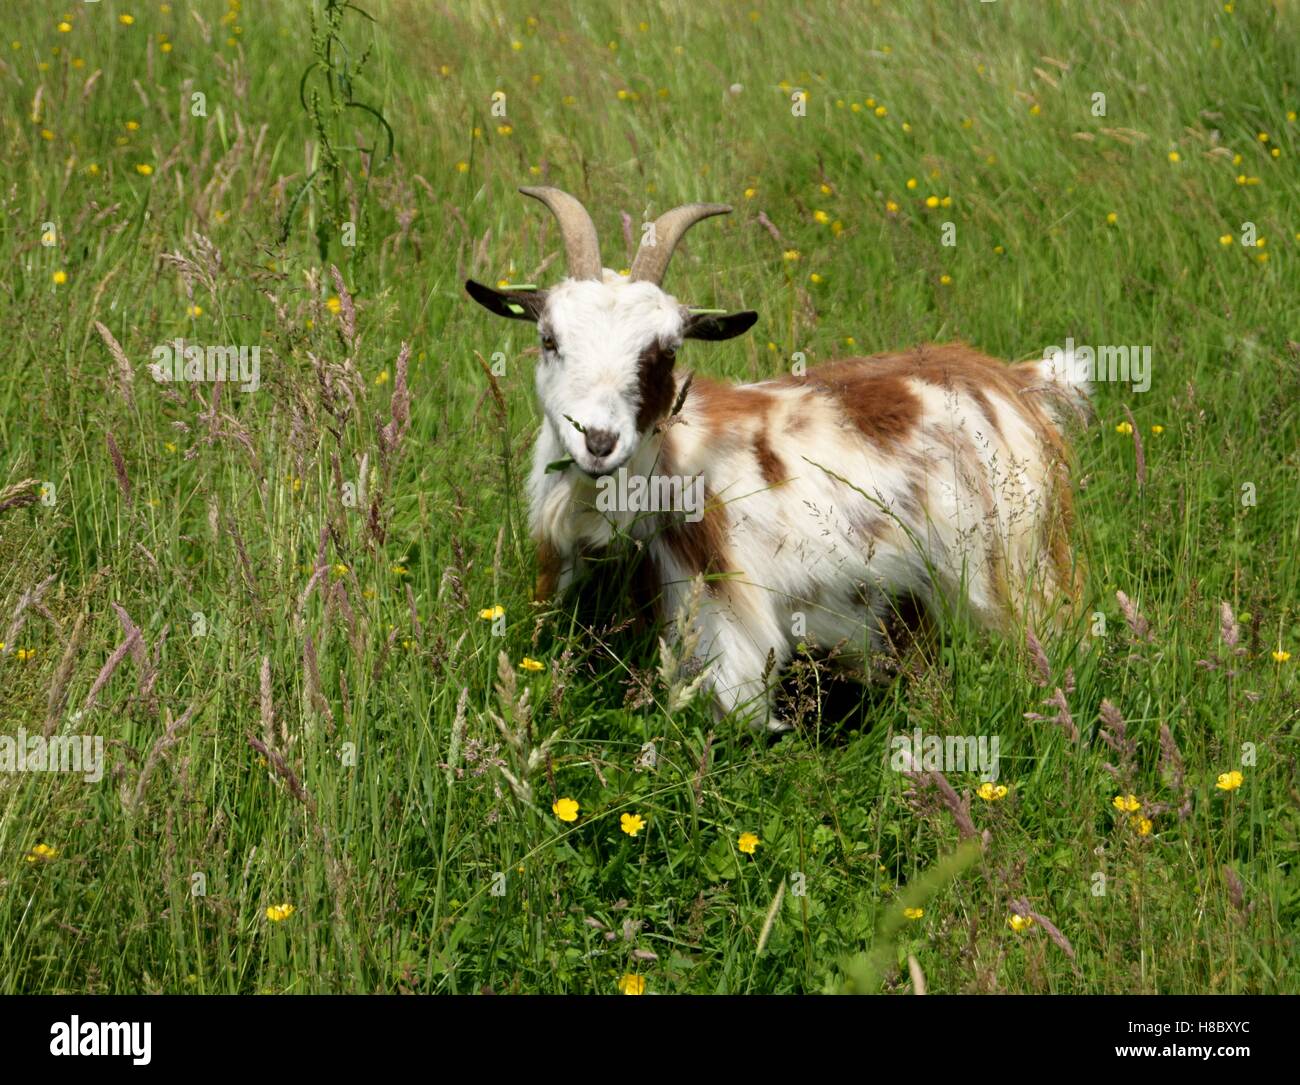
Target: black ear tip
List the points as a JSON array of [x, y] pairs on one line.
[[747, 319]]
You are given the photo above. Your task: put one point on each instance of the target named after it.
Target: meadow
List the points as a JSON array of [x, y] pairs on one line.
[[343, 748]]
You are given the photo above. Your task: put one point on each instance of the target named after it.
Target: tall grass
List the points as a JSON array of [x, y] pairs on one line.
[[267, 603]]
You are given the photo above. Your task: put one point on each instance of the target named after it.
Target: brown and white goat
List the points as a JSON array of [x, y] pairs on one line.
[[935, 474]]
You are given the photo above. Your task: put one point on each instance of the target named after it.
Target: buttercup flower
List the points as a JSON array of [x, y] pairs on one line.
[[913, 913], [631, 823], [1229, 781], [747, 843], [565, 809], [530, 664], [1020, 923], [632, 984], [278, 913], [991, 792], [489, 614], [1127, 803]]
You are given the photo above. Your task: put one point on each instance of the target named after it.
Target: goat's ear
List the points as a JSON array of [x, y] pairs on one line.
[[514, 304], [706, 325]]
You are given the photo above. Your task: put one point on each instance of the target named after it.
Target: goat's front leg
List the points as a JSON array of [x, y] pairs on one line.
[[737, 658], [555, 571], [550, 568]]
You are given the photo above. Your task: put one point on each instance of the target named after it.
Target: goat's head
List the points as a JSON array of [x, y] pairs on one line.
[[605, 375]]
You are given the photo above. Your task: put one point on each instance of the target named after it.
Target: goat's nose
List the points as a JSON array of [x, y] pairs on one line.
[[600, 442]]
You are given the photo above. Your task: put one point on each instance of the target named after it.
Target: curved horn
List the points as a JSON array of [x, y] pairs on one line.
[[652, 259], [581, 248]]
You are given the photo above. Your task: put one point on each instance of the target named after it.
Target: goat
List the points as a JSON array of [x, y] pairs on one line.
[[935, 473]]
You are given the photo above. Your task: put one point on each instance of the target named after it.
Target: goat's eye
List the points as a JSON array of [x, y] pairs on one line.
[[548, 343]]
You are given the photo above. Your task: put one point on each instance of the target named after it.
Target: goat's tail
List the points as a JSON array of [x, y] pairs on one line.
[[1066, 373], [1062, 379]]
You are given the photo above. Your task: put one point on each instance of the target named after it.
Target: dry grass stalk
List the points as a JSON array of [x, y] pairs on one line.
[[1039, 657], [677, 660], [516, 727], [265, 702], [1062, 717], [22, 493], [347, 310], [281, 768], [124, 371], [119, 466], [1021, 907], [311, 673], [1114, 732], [1139, 628], [165, 742], [111, 665], [58, 698], [29, 599]]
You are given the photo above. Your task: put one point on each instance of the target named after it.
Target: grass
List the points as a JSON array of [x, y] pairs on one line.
[[306, 583]]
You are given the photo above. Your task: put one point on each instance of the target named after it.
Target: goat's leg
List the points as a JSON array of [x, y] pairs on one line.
[[738, 669]]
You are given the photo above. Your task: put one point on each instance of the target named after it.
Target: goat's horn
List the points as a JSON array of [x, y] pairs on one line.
[[581, 248], [656, 250]]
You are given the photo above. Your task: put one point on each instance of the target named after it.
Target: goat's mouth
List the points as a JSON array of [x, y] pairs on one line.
[[602, 470]]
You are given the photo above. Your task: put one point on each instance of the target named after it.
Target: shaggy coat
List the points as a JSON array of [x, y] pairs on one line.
[[935, 475]]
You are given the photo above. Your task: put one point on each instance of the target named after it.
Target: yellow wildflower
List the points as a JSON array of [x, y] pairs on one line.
[[1229, 781]]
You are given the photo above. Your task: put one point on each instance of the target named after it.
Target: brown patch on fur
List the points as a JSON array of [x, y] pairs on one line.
[[880, 405], [769, 463], [699, 547], [985, 407], [722, 405], [548, 572], [657, 387]]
